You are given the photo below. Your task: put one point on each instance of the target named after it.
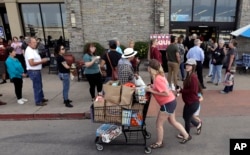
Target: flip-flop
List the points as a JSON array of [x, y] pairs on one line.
[[179, 136], [183, 141], [155, 145], [199, 129]]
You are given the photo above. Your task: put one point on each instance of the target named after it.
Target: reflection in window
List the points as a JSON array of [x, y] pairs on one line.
[[225, 11], [66, 33], [47, 23], [52, 21], [203, 10], [32, 20], [181, 10]]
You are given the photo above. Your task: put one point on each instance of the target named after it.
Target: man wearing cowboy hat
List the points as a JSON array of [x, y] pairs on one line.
[[125, 68]]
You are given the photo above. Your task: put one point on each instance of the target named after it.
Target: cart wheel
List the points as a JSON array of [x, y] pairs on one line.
[[148, 135], [99, 147], [148, 150]]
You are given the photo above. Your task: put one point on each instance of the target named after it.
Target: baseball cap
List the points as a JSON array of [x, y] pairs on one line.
[[191, 61]]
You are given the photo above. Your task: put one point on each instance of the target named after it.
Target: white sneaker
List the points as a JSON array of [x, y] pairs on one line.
[[24, 99], [173, 87], [20, 101]]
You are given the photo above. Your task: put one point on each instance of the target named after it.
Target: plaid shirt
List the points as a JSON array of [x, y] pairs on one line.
[[125, 72]]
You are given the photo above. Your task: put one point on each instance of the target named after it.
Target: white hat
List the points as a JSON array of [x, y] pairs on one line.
[[129, 52], [191, 61]]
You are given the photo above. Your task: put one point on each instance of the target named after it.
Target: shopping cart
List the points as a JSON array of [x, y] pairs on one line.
[[125, 125], [244, 63]]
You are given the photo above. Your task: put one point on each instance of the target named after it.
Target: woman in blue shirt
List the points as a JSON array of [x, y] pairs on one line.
[[92, 70], [16, 72]]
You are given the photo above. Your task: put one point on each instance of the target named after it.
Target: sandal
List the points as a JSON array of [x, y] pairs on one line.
[[186, 140], [199, 128], [179, 136], [155, 145]]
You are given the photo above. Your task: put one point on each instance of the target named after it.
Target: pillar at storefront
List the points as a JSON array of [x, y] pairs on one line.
[[14, 18]]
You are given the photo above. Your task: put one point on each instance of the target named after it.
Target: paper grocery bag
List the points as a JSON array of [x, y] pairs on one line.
[[99, 110], [112, 90], [127, 96]]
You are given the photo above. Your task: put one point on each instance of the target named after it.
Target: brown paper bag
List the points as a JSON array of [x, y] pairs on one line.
[[112, 93], [113, 114], [99, 110], [127, 96]]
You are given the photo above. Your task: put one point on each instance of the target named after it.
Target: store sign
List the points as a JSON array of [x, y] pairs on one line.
[[1, 32], [162, 39]]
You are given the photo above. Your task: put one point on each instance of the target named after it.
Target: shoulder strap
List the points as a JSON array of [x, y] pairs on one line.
[[109, 61]]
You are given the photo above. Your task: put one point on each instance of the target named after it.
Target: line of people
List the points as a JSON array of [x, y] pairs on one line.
[[33, 63]]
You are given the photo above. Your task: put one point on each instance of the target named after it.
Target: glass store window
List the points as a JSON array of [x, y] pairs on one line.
[[181, 11], [225, 11], [45, 21], [32, 20], [203, 10]]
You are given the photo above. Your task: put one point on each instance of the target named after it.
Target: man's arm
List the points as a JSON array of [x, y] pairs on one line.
[[33, 63], [202, 56], [178, 57], [230, 62]]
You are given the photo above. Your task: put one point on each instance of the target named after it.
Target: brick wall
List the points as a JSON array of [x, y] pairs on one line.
[[244, 18], [101, 20]]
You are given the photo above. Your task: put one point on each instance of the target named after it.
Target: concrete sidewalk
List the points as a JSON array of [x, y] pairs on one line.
[[214, 103]]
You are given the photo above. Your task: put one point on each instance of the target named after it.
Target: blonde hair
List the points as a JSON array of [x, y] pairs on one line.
[[155, 68]]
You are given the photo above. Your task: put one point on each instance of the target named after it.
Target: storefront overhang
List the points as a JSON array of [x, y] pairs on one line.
[[219, 25]]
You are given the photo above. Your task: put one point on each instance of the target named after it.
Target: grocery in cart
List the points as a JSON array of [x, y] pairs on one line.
[[122, 116]]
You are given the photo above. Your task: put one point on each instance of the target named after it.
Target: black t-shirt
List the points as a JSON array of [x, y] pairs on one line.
[[24, 45], [218, 55], [114, 57], [60, 66]]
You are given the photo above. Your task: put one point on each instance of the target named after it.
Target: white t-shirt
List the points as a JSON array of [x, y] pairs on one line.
[[32, 54]]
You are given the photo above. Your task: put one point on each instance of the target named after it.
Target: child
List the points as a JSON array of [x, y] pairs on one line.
[[228, 82]]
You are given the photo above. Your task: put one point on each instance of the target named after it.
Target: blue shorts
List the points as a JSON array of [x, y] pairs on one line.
[[169, 107]]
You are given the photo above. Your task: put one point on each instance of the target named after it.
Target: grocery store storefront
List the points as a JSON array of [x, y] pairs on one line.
[[209, 19], [43, 19], [82, 21]]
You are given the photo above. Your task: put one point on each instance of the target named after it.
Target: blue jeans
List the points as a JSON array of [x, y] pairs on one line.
[[65, 77], [227, 89], [210, 72], [217, 71], [36, 77], [182, 69]]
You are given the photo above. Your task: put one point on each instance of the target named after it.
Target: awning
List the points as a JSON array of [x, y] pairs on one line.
[[244, 32]]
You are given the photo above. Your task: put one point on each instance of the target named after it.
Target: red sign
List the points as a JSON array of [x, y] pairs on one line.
[[162, 39]]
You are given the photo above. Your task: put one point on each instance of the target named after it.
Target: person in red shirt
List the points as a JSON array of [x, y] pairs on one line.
[[167, 102], [154, 52], [190, 97], [3, 57]]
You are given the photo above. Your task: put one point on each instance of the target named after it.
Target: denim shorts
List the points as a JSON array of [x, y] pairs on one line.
[[169, 107]]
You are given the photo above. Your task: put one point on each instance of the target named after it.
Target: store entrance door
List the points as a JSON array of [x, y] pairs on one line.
[[4, 23], [204, 32]]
